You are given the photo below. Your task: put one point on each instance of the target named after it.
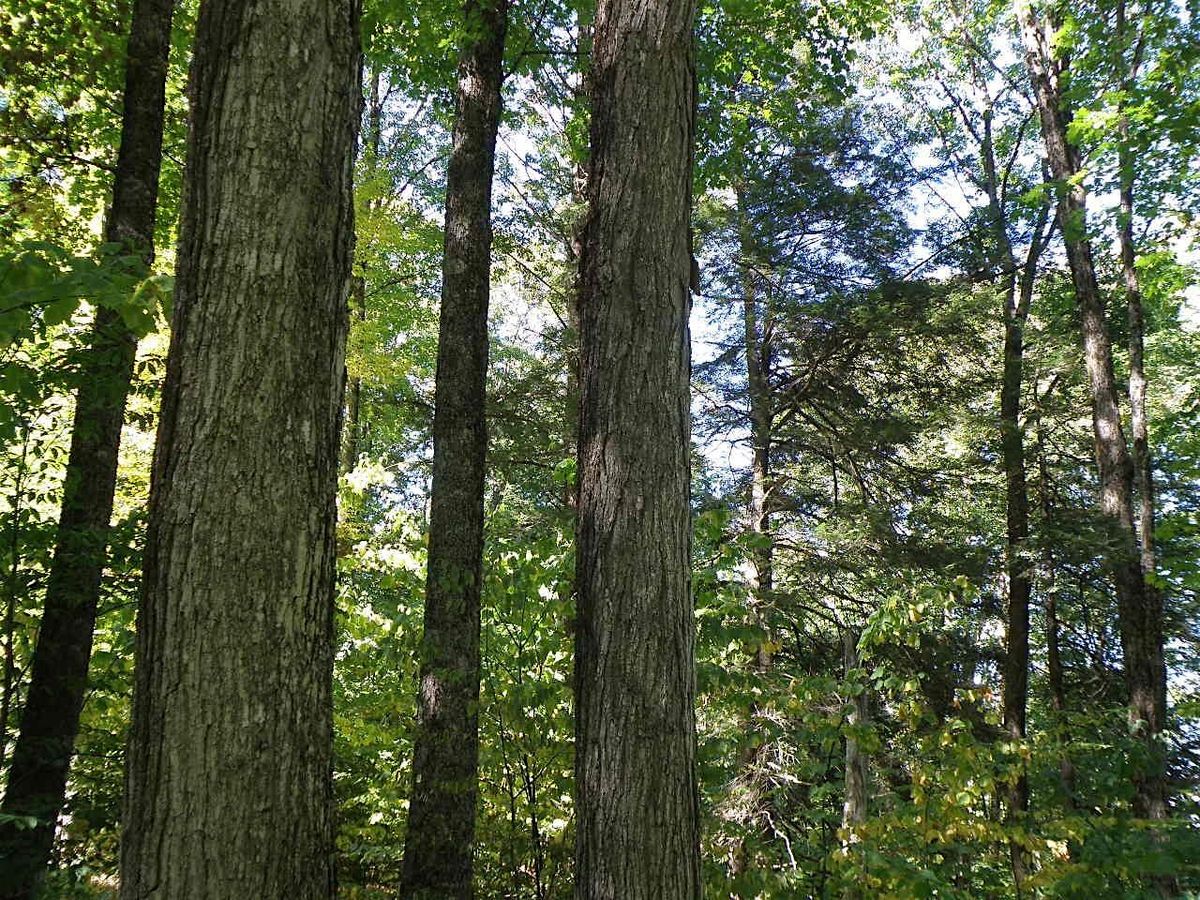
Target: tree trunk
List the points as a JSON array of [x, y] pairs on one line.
[[38, 778], [1018, 294], [854, 809], [441, 820], [229, 791], [1054, 667], [637, 802], [757, 348], [1140, 621], [352, 429]]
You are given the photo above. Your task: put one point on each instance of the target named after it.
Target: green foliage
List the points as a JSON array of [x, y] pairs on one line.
[[840, 176]]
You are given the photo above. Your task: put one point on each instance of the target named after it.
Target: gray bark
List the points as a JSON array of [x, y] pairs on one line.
[[637, 805], [229, 791]]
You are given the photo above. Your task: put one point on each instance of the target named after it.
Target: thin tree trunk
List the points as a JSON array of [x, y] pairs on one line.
[[9, 691], [439, 843], [1143, 469], [50, 722], [229, 789], [1055, 676], [1140, 620], [855, 807], [757, 349], [637, 833], [1018, 294], [352, 429]]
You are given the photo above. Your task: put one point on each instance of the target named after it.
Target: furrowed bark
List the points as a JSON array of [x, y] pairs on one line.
[[1140, 619], [229, 789], [637, 805], [439, 843], [37, 780]]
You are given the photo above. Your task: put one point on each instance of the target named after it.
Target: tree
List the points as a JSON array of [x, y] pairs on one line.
[[636, 794], [1139, 609], [37, 780], [228, 788], [441, 822]]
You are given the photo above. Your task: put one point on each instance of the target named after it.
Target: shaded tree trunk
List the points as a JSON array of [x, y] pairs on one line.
[[1143, 467], [37, 780], [229, 790], [637, 833], [352, 429], [855, 806], [1140, 619], [757, 348], [1055, 679], [1019, 283], [440, 839]]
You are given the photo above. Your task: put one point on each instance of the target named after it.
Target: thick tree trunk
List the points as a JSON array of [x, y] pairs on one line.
[[1140, 619], [637, 804], [441, 820], [38, 778], [229, 792]]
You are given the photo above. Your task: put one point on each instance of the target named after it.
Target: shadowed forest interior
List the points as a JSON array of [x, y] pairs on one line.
[[620, 449]]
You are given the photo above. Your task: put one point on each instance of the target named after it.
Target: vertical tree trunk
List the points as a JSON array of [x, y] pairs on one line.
[[757, 348], [352, 429], [441, 821], [1143, 469], [38, 778], [637, 804], [229, 792], [855, 807], [1018, 294], [1142, 462], [1140, 620], [1054, 667]]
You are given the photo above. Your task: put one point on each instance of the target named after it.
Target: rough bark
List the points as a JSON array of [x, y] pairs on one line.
[[439, 843], [637, 805], [1140, 620], [50, 722], [229, 791]]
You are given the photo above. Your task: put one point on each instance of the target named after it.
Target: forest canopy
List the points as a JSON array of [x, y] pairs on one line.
[[599, 448]]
